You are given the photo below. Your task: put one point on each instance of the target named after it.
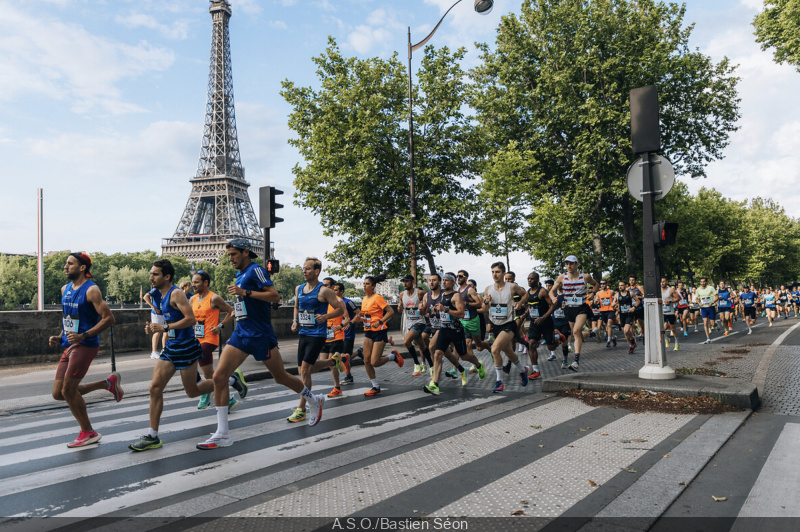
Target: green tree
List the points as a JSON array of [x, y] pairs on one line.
[[287, 279], [557, 84], [125, 283], [224, 276], [17, 282], [351, 134], [778, 27]]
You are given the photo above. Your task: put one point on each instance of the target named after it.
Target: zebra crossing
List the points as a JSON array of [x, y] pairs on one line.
[[467, 452]]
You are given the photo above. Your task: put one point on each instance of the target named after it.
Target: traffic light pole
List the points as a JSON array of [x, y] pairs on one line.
[[655, 357]]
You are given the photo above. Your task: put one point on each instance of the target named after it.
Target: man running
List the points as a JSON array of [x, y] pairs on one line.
[[335, 341], [353, 317], [748, 299], [408, 304], [314, 305], [627, 303], [181, 353], [563, 330], [637, 291], [608, 311], [85, 316], [254, 293], [451, 332], [206, 306], [153, 300], [519, 342], [473, 305], [575, 286], [500, 299], [669, 297], [725, 303], [707, 296], [682, 308], [540, 310]]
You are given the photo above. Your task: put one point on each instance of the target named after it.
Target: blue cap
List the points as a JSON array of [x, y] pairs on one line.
[[241, 244]]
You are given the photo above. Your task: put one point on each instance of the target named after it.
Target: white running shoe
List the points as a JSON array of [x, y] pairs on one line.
[[315, 410], [216, 441], [155, 355]]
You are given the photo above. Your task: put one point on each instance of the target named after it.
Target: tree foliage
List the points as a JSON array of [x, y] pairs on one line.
[[556, 88], [351, 134], [778, 27], [17, 281]]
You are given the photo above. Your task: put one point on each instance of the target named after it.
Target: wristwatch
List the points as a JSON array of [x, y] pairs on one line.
[[166, 327], [247, 293], [85, 336]]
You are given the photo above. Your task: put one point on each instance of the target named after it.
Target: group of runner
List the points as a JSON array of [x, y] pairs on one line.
[[446, 321]]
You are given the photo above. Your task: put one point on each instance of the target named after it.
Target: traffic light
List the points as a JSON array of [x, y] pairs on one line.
[[268, 206], [664, 233], [273, 266]]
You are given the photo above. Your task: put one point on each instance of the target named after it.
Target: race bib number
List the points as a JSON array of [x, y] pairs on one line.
[[306, 319], [199, 329], [367, 319], [666, 309], [170, 331], [70, 324], [412, 313], [574, 301], [625, 308], [559, 313], [533, 312], [239, 309], [445, 317], [499, 311], [606, 302], [705, 300], [330, 335], [724, 303], [682, 302]]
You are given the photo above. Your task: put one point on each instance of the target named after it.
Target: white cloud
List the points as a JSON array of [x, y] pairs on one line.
[[66, 62], [278, 25], [248, 7], [178, 30], [755, 5], [377, 34]]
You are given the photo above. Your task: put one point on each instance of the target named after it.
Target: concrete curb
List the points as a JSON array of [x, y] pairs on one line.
[[734, 392]]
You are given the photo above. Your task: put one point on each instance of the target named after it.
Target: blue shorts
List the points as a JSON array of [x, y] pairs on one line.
[[708, 312], [258, 346]]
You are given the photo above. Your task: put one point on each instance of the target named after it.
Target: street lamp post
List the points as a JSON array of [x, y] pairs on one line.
[[483, 7]]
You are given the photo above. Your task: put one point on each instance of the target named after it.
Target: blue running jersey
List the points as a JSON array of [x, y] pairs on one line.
[[79, 314], [258, 322], [309, 306]]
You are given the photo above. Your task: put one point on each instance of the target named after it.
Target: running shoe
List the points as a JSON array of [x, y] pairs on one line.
[[233, 404], [608, 344], [473, 369], [337, 361], [551, 358], [315, 410], [463, 378], [571, 349], [416, 370], [398, 359], [749, 331], [146, 443], [216, 441], [534, 375], [360, 352], [205, 400], [708, 341], [563, 364], [85, 437], [666, 343], [499, 387], [346, 363], [481, 372], [596, 336], [614, 341], [573, 366], [431, 388], [114, 382], [452, 373], [155, 355], [373, 392], [523, 376], [677, 347], [634, 346], [336, 392], [770, 324], [423, 368], [507, 368], [391, 341], [726, 333], [239, 384], [298, 415], [685, 333], [348, 379]]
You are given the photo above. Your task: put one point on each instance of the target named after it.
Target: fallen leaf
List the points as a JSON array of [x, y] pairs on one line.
[[666, 456], [523, 502], [719, 499], [629, 469], [624, 396], [517, 512], [624, 441], [541, 446], [639, 440], [582, 430], [536, 426], [592, 483], [681, 483], [604, 434], [570, 446]]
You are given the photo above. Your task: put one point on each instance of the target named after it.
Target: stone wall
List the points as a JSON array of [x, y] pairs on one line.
[[24, 334]]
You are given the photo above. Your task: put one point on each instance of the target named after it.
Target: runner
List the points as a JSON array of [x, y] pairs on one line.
[[783, 302], [153, 300], [186, 286], [353, 317], [638, 291], [694, 307], [682, 308], [770, 302], [451, 332], [608, 301], [563, 331], [520, 345], [627, 307], [725, 303], [334, 342], [575, 286], [669, 297], [748, 299], [181, 353], [408, 304], [473, 312], [375, 314], [542, 327], [85, 316], [499, 297], [206, 306], [314, 305], [597, 318], [253, 335], [707, 297]]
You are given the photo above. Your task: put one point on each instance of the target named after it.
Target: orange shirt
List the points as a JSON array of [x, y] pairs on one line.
[[334, 336], [606, 300], [372, 311], [206, 318]]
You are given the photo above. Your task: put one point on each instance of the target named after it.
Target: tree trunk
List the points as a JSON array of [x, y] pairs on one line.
[[628, 236], [597, 258], [426, 251]]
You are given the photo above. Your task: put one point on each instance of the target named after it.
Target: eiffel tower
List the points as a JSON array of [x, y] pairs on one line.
[[219, 206]]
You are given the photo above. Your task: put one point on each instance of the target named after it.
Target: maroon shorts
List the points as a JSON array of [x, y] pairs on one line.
[[208, 354], [75, 361]]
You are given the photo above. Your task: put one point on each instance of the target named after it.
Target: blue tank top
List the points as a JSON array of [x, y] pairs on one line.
[[748, 299], [724, 298], [309, 305], [351, 313], [769, 300], [173, 315], [79, 314]]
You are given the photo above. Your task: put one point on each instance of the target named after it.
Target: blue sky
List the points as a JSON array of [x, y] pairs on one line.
[[102, 105]]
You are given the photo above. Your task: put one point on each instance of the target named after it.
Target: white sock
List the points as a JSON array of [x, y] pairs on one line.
[[307, 394], [222, 419], [519, 366], [153, 433], [499, 371], [230, 381], [391, 356], [375, 383], [552, 353], [535, 368]]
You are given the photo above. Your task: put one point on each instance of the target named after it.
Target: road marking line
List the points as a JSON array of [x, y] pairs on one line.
[[760, 376]]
